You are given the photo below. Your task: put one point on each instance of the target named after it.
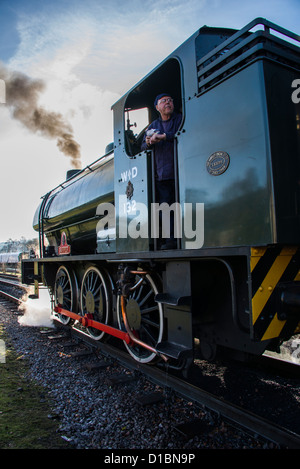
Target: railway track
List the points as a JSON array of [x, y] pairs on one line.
[[235, 415], [10, 288], [231, 413], [11, 298]]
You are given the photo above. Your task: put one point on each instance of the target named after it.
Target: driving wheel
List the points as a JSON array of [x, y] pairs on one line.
[[65, 292], [95, 299], [144, 316]]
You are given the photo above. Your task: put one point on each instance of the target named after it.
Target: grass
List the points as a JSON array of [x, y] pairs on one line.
[[24, 407]]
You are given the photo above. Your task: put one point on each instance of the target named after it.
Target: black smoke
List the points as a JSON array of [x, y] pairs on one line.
[[22, 98]]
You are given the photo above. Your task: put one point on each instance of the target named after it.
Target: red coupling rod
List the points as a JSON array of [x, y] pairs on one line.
[[87, 322]]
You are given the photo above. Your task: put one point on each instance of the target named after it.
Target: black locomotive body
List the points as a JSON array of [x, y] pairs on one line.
[[233, 281]]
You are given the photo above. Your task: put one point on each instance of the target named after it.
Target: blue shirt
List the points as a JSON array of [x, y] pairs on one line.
[[164, 150]]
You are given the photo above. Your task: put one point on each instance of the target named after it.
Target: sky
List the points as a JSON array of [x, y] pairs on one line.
[[88, 54]]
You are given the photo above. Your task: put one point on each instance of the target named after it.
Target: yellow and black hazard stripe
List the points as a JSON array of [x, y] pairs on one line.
[[271, 267]]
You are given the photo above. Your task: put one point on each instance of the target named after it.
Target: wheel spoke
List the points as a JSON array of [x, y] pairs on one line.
[[95, 292], [94, 281], [95, 299], [150, 322], [145, 298], [146, 331], [145, 317], [140, 290], [151, 309]]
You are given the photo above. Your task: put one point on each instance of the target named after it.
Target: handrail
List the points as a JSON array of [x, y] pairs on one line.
[[41, 223], [267, 26]]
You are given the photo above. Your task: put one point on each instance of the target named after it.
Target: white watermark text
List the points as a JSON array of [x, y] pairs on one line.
[[134, 219]]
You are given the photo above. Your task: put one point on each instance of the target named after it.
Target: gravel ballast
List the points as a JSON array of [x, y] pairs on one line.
[[95, 413]]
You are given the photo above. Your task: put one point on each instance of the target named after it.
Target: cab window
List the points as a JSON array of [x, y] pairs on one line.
[[136, 121], [139, 110]]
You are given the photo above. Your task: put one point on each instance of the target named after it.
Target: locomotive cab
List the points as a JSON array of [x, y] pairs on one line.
[[134, 168]]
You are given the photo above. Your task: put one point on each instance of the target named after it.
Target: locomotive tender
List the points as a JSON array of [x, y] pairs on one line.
[[237, 156]]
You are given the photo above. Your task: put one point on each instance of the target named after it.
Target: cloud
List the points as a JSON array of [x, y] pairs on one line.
[[117, 43]]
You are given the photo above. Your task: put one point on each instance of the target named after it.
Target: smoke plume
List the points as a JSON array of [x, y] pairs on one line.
[[22, 96]]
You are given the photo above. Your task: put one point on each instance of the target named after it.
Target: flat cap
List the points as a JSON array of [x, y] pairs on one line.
[[160, 96]]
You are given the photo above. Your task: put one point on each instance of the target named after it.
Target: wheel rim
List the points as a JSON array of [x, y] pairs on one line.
[[145, 318], [95, 299], [64, 293]]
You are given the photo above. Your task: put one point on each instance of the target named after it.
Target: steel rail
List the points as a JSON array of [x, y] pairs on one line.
[[230, 412], [241, 417], [12, 283], [6, 275], [12, 298]]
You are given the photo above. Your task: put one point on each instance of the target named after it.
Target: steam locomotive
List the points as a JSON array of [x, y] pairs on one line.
[[233, 282]]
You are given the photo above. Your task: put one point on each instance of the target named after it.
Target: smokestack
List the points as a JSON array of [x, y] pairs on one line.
[[22, 95]]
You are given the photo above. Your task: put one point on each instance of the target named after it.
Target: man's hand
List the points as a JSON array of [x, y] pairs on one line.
[[156, 138]]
